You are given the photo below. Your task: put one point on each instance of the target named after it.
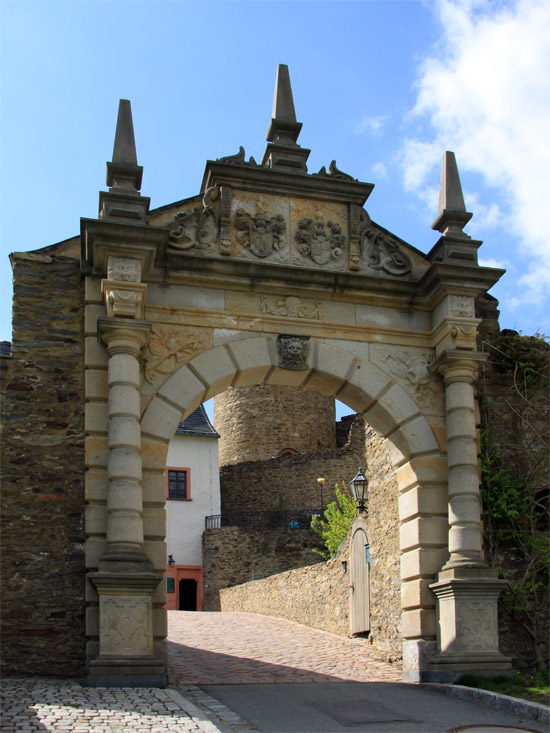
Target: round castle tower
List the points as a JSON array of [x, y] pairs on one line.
[[265, 421]]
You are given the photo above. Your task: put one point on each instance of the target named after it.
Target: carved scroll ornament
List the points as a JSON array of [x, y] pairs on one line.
[[314, 240], [197, 227], [382, 251], [168, 348]]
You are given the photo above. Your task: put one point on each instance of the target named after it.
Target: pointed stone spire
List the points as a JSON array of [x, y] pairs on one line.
[[123, 201], [123, 171], [451, 215], [283, 152]]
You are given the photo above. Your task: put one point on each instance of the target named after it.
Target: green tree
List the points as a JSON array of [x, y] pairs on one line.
[[339, 515]]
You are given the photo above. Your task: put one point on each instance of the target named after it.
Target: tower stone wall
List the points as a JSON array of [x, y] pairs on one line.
[[258, 423]]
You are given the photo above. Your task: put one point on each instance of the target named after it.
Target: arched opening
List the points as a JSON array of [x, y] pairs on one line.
[[412, 444]]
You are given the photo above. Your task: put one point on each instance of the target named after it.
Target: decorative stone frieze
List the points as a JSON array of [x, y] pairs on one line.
[[291, 307]]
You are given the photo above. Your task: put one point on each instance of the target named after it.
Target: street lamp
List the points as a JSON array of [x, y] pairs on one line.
[[171, 561], [321, 482], [359, 486]]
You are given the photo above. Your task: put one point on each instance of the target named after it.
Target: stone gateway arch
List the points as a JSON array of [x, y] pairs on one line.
[[275, 275]]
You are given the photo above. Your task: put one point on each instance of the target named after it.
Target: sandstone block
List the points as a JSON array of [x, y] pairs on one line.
[[160, 419], [332, 368], [124, 463], [253, 360], [156, 552], [465, 538], [416, 594], [422, 562], [364, 386], [154, 523], [423, 470], [91, 314], [183, 389], [216, 368], [95, 549], [415, 437], [464, 508], [96, 417], [95, 483], [153, 454], [288, 377], [461, 422], [154, 488], [96, 384], [424, 531], [423, 500], [95, 354], [124, 431], [124, 400], [97, 451], [124, 369], [418, 623], [96, 519], [462, 451]]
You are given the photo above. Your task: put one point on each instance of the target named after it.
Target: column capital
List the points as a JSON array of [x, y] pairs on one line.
[[123, 335], [458, 366]]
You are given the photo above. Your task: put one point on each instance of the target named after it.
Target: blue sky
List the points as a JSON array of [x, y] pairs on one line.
[[383, 87]]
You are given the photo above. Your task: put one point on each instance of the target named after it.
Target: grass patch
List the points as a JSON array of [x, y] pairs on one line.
[[532, 686]]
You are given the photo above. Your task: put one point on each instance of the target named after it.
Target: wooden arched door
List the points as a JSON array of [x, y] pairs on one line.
[[360, 566]]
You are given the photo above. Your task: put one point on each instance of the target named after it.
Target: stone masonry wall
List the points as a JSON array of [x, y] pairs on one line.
[[256, 423], [383, 537], [42, 441], [319, 595], [232, 556], [290, 482]]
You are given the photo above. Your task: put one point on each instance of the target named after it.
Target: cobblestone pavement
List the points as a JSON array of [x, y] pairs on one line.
[[66, 706], [246, 648]]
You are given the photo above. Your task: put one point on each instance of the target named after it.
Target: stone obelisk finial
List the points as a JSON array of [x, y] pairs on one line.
[[123, 201], [451, 215], [283, 152]]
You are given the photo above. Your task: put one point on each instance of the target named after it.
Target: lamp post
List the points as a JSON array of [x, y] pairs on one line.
[[359, 486], [321, 482], [171, 561]]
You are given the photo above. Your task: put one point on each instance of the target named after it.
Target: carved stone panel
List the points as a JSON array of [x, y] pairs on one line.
[[291, 307], [409, 367], [260, 227], [461, 305], [170, 347], [293, 351], [319, 236], [477, 626], [126, 625]]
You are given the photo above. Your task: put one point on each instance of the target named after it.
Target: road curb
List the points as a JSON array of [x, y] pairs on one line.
[[514, 705]]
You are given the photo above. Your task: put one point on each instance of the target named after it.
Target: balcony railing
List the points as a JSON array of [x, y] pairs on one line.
[[287, 519]]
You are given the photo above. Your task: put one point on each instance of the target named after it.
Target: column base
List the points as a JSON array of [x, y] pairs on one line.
[[110, 671], [451, 667]]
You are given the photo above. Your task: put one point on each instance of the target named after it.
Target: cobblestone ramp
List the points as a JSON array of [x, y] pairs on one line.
[[242, 648]]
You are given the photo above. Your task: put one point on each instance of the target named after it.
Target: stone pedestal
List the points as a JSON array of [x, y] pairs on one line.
[[126, 659], [467, 624]]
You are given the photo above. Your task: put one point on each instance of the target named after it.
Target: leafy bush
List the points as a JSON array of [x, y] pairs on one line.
[[339, 515]]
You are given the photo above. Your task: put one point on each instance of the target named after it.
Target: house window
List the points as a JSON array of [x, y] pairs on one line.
[[177, 483]]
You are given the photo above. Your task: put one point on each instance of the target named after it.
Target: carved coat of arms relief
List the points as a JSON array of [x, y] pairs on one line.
[[261, 234], [381, 251], [319, 242]]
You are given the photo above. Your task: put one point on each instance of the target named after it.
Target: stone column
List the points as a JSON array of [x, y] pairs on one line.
[[125, 580], [466, 589]]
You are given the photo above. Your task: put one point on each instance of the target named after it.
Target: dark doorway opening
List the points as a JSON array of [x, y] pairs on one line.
[[188, 595]]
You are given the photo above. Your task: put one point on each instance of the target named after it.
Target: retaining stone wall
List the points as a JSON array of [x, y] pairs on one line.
[[256, 423], [232, 556], [43, 573], [290, 482]]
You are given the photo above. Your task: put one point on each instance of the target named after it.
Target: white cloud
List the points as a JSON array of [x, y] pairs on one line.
[[371, 125], [379, 169], [484, 92]]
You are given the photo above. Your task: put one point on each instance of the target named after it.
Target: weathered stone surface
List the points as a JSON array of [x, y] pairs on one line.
[[43, 472]]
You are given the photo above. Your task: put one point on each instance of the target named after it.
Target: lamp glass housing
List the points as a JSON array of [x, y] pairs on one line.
[[359, 486]]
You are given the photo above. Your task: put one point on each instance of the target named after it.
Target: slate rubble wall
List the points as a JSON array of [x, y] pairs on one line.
[[43, 573]]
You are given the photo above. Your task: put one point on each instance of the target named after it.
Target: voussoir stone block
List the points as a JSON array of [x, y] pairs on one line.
[[160, 419], [216, 368], [415, 437], [332, 368], [253, 360], [398, 404], [183, 389], [365, 384]]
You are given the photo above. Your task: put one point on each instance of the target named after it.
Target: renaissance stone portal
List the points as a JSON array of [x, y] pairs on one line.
[[274, 274]]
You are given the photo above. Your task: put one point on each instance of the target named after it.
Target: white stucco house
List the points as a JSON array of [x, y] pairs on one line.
[[192, 493]]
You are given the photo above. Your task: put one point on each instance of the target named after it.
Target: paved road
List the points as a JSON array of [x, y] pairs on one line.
[[277, 676]]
